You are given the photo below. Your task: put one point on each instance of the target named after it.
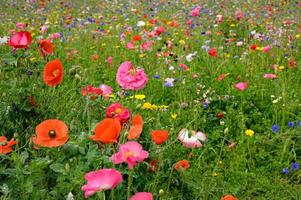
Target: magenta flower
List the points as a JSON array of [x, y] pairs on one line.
[[241, 86], [130, 45], [116, 110], [104, 179], [142, 195], [131, 153], [266, 49], [109, 60], [20, 25], [269, 76], [196, 11], [130, 78]]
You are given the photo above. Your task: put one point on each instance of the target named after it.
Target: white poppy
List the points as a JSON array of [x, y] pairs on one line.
[[192, 139]]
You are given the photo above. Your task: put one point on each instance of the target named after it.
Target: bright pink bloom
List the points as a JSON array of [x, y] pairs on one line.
[[196, 11], [130, 45], [20, 25], [241, 86], [219, 18], [193, 140], [55, 36], [184, 67], [131, 153], [239, 15], [116, 110], [266, 49], [130, 78], [142, 196], [269, 76], [160, 30], [109, 60], [106, 90], [212, 52], [104, 179], [146, 45], [20, 39]]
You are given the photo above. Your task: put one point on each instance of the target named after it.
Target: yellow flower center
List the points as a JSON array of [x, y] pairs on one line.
[[132, 72], [56, 72], [128, 154], [118, 111]]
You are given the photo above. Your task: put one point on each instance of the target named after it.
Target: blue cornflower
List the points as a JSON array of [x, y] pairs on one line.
[[299, 124], [205, 105], [168, 84], [156, 76], [291, 124], [295, 166], [285, 170], [275, 128]]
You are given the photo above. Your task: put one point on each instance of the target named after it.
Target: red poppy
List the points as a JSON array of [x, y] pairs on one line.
[[153, 165], [20, 40], [46, 47], [51, 133], [136, 127], [253, 47], [53, 73], [136, 38], [212, 52], [107, 131], [228, 197], [182, 164], [6, 146], [159, 136]]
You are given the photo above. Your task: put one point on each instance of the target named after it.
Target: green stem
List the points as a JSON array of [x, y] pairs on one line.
[[130, 181]]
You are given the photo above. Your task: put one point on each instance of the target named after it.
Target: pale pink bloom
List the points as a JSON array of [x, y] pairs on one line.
[[142, 196], [219, 18], [131, 153], [196, 11], [106, 90], [104, 179], [117, 111], [55, 36], [239, 15], [241, 86], [151, 34], [266, 49], [194, 140], [44, 29], [188, 21], [269, 76], [146, 45], [20, 25], [130, 45], [109, 60], [130, 78]]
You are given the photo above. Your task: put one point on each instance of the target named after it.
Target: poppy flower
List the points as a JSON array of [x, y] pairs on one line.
[[228, 197], [196, 11], [130, 45], [212, 52], [131, 153], [6, 146], [117, 111], [136, 127], [192, 139], [136, 38], [109, 60], [106, 90], [242, 86], [100, 180], [20, 40], [153, 165], [269, 76], [160, 30], [253, 47], [51, 133], [130, 78], [159, 136], [53, 73], [107, 131], [46, 47], [239, 15], [21, 25], [182, 164], [142, 195]]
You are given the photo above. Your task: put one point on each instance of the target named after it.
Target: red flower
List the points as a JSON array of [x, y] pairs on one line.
[[20, 40], [159, 136], [182, 164], [253, 47], [53, 73], [107, 131], [212, 52], [46, 47], [228, 197], [136, 38], [6, 146], [153, 165], [136, 127], [117, 111]]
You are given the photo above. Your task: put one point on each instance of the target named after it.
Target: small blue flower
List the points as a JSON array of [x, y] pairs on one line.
[[285, 171], [295, 166], [205, 105], [299, 124], [275, 128], [168, 84], [156, 76], [291, 124]]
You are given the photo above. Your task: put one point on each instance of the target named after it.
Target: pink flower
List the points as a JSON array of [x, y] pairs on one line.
[[130, 45], [239, 15], [241, 86], [130, 78], [116, 110], [44, 29], [184, 67], [55, 36], [20, 25], [160, 30], [20, 39], [104, 179], [142, 196], [131, 153], [188, 21], [195, 140], [146, 45], [106, 90], [219, 18], [109, 60], [269, 76], [266, 49], [196, 11]]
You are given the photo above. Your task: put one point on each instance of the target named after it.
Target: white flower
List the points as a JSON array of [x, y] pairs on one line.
[[197, 139], [240, 43], [190, 56], [70, 196], [140, 23], [3, 40]]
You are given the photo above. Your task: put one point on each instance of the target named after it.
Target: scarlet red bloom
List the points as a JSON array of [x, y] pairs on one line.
[[20, 40], [253, 47], [53, 73], [212, 52], [136, 38], [228, 197], [107, 131], [6, 146], [51, 133], [182, 164], [46, 47], [136, 127], [159, 136]]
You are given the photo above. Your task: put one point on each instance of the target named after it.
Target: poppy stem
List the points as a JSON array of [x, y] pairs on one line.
[[130, 181]]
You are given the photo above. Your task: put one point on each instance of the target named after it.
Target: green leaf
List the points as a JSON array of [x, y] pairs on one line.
[[24, 155], [57, 167]]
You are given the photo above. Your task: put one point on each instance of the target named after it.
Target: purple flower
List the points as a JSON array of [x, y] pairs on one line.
[[295, 166], [275, 128], [285, 171], [291, 124], [156, 76]]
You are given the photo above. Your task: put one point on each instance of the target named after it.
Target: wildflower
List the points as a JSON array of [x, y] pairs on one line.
[[157, 76], [100, 180], [107, 131], [295, 166], [253, 47], [249, 132], [285, 171], [106, 90], [95, 57], [291, 124], [142, 196], [138, 96], [182, 165], [228, 197], [130, 78], [159, 136], [6, 146], [195, 12], [153, 165], [241, 86], [212, 52], [131, 153], [46, 47], [109, 60], [20, 40], [136, 38], [136, 127], [239, 15], [174, 116], [269, 76], [53, 73], [130, 45], [117, 111], [51, 133], [299, 124], [266, 49], [219, 18], [21, 25], [184, 67], [160, 30], [275, 128], [192, 139], [140, 23]]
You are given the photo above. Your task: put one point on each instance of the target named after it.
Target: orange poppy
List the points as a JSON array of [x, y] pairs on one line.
[[136, 127], [159, 136], [6, 146], [51, 133], [107, 131], [228, 197], [182, 164], [53, 73], [136, 38], [46, 47]]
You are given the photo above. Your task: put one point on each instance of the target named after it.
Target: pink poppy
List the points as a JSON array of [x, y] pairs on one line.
[[195, 140], [142, 196], [20, 25], [184, 67], [266, 49], [20, 39], [130, 78], [117, 111], [241, 86], [55, 36], [239, 15], [269, 76], [131, 153], [44, 29], [196, 11], [160, 30], [188, 21], [109, 60], [100, 180], [130, 45], [106, 90], [146, 45]]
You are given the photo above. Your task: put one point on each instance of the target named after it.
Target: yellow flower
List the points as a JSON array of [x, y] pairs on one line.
[[174, 116], [281, 68], [232, 25], [214, 174], [249, 132], [141, 55], [138, 96], [298, 36], [182, 42], [149, 106]]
